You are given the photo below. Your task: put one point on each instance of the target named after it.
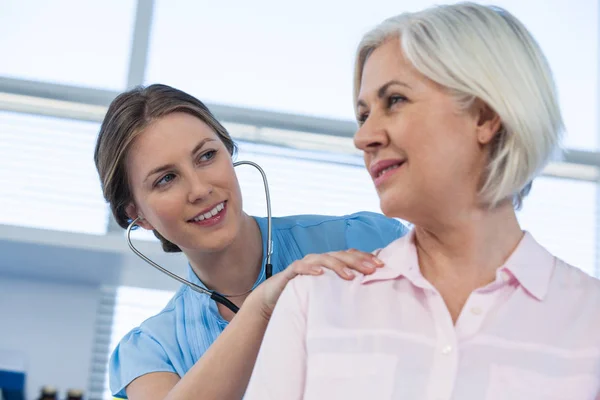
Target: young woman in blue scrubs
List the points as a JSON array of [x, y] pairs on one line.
[[163, 157]]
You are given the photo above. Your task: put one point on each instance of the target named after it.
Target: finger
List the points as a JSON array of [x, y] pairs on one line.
[[330, 262], [365, 263], [371, 257], [304, 267], [281, 279], [313, 264]]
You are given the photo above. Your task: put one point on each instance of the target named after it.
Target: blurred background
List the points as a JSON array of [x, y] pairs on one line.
[[279, 74]]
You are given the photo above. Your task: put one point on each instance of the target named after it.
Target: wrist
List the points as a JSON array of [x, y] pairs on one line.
[[256, 302]]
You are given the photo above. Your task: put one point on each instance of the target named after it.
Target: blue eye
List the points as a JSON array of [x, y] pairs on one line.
[[165, 179], [209, 155], [396, 99]]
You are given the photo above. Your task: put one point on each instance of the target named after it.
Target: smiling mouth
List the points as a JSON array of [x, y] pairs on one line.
[[387, 170], [216, 210], [390, 168]]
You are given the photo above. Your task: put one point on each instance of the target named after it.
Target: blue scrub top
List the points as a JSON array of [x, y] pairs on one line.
[[174, 339]]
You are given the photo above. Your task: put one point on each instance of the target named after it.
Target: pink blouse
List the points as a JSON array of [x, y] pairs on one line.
[[533, 333]]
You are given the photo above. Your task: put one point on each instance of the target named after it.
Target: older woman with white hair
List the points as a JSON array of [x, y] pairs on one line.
[[457, 115]]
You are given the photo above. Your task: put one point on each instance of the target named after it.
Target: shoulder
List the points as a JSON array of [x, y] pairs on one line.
[[573, 298], [147, 348], [365, 231], [360, 223], [160, 328], [572, 281], [325, 297], [308, 221]]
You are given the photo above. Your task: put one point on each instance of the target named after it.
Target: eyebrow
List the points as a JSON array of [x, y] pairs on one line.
[[382, 90], [166, 167]]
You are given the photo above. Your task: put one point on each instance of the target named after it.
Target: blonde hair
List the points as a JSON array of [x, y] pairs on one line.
[[484, 52]]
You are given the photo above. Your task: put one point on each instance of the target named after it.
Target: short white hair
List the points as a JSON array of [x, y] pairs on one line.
[[484, 52]]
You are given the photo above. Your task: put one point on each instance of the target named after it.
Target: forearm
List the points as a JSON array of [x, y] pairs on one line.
[[280, 368], [224, 370]]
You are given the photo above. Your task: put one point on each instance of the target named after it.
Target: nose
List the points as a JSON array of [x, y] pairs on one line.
[[371, 136], [199, 187]]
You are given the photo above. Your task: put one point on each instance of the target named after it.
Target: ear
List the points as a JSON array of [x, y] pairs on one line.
[[488, 122], [132, 213]]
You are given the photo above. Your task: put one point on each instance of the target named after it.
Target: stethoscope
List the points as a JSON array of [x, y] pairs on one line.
[[217, 297]]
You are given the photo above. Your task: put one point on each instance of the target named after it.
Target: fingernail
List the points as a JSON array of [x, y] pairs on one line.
[[368, 264], [378, 261], [348, 272], [317, 270]]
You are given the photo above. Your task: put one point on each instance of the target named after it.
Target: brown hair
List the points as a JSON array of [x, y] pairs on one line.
[[128, 115]]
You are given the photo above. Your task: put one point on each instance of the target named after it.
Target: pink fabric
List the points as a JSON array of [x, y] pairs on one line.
[[533, 333]]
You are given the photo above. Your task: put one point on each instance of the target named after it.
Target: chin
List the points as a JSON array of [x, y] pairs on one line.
[[392, 206], [216, 242]]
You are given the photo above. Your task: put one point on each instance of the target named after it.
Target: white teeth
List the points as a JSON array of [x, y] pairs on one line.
[[219, 207], [388, 169]]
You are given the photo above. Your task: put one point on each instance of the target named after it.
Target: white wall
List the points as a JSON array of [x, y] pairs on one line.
[[53, 325]]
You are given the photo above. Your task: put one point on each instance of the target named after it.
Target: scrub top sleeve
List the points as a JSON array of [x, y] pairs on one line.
[[137, 354], [370, 231]]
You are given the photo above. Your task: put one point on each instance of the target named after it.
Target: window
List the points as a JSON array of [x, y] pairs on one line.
[[562, 216], [262, 54], [83, 43], [47, 174], [305, 182]]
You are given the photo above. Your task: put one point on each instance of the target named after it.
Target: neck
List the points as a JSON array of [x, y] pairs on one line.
[[234, 269], [470, 248]]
